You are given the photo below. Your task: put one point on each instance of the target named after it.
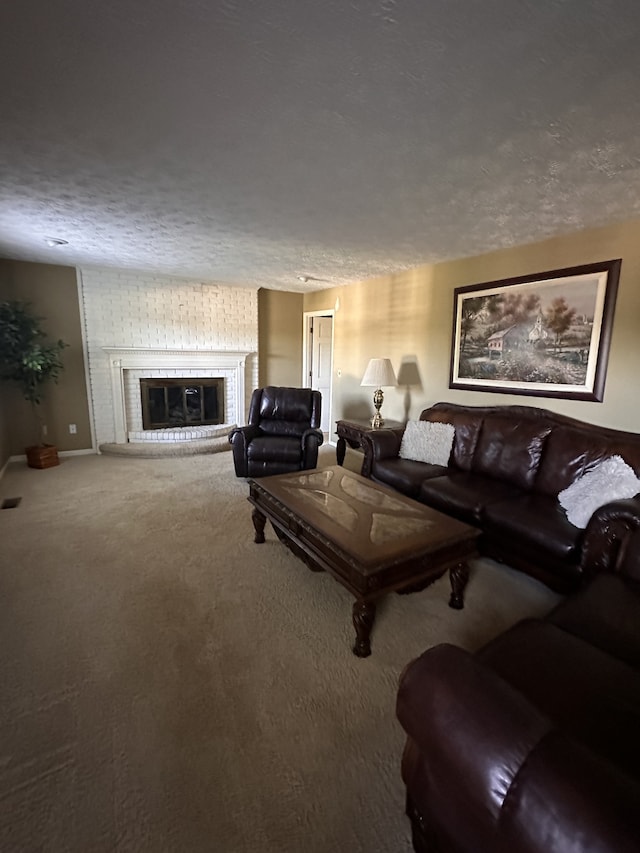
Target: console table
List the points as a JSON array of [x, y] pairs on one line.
[[351, 432]]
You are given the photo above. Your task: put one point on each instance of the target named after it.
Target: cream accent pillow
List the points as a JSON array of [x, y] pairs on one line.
[[427, 441], [609, 480]]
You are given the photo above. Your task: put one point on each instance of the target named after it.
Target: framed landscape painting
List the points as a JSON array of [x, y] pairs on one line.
[[544, 335]]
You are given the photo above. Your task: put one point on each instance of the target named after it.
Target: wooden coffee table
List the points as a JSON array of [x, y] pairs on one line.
[[370, 538]]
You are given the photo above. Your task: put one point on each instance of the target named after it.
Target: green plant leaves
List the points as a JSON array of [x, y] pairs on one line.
[[26, 357]]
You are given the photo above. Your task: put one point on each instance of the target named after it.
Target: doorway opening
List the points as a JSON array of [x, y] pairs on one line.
[[317, 362]]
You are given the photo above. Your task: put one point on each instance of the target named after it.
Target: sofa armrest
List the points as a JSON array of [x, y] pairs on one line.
[[312, 436], [469, 732], [472, 730], [311, 441], [608, 535], [379, 444], [566, 798], [241, 436], [486, 770], [239, 439]]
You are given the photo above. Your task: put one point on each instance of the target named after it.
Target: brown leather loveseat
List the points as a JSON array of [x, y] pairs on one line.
[[532, 744], [507, 466]]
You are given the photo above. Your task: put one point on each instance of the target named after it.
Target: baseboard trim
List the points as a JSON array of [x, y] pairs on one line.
[[23, 458], [4, 467]]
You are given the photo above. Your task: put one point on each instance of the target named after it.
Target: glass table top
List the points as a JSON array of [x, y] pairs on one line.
[[359, 515]]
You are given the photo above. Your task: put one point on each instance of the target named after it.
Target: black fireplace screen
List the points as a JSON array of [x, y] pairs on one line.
[[181, 402]]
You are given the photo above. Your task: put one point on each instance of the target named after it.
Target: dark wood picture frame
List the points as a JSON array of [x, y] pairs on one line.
[[544, 335]]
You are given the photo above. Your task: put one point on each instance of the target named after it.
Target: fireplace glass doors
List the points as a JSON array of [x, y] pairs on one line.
[[181, 402]]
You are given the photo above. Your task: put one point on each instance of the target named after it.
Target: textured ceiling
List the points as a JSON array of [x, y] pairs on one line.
[[254, 141]]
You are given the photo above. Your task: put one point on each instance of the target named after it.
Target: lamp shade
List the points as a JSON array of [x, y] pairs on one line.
[[379, 373]]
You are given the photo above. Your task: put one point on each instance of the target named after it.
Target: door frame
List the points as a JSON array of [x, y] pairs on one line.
[[307, 317]]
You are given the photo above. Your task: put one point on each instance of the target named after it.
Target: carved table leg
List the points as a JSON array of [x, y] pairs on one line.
[[341, 449], [458, 575], [364, 612], [259, 521]]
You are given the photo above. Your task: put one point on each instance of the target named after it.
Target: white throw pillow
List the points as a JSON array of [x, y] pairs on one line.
[[427, 441], [609, 480]]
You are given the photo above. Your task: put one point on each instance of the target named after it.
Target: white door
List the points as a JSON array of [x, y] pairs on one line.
[[320, 355]]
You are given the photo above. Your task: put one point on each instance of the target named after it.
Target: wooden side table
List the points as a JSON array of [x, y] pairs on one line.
[[351, 432]]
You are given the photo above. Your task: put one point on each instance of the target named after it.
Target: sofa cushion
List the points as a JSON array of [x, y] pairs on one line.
[[538, 520], [510, 449], [589, 694], [406, 475], [605, 613], [464, 495], [426, 441], [609, 480], [276, 448], [467, 428], [569, 452], [285, 411]]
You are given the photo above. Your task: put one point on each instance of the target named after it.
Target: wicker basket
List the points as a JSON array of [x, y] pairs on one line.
[[42, 456]]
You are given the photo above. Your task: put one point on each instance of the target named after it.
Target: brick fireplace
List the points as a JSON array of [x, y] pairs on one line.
[[129, 365], [139, 325]]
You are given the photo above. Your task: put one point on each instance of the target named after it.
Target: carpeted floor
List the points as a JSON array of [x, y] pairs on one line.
[[168, 686]]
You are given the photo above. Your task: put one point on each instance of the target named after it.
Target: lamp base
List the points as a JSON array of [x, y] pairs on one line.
[[378, 398]]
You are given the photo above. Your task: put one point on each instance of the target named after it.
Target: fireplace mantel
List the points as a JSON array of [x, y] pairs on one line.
[[144, 358]]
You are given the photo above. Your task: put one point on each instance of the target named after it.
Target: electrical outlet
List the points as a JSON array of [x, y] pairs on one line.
[[44, 430], [73, 429]]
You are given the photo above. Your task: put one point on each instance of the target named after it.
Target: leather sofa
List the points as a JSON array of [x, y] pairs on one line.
[[282, 434], [507, 466], [532, 744]]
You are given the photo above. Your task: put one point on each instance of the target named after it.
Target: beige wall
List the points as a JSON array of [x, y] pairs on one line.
[[279, 338], [53, 294], [52, 290], [408, 318], [5, 444]]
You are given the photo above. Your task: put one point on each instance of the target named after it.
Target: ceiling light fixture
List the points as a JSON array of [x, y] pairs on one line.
[[305, 279], [56, 241]]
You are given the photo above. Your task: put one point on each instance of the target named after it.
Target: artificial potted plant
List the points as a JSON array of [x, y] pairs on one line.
[[30, 361]]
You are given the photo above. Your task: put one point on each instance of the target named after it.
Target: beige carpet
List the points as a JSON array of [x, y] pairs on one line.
[[168, 685]]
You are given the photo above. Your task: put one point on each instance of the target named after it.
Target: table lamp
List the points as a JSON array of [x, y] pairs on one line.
[[379, 373]]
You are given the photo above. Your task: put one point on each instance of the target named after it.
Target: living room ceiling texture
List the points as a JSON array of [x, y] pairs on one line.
[[299, 144]]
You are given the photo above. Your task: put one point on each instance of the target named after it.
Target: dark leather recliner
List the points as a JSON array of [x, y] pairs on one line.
[[283, 433]]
